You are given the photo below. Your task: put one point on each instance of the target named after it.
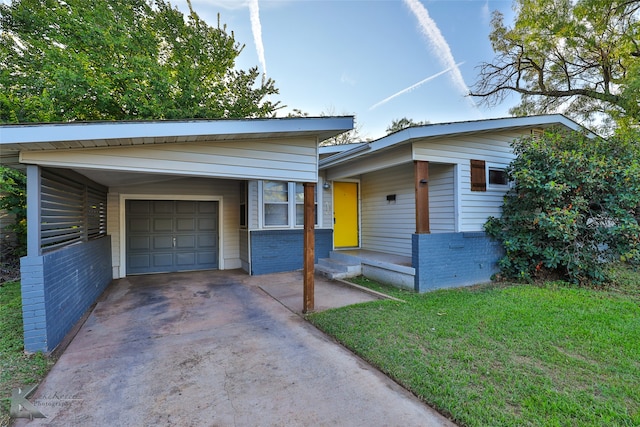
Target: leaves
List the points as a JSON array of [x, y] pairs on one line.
[[576, 57], [13, 200], [574, 209], [121, 59]]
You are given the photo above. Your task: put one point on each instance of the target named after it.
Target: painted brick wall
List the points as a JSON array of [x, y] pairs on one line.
[[454, 259], [275, 251], [75, 276]]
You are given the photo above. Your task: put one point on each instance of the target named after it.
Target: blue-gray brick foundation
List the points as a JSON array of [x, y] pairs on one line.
[[59, 287], [445, 260], [276, 251]]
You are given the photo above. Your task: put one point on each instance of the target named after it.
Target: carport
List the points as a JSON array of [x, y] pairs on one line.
[[110, 199]]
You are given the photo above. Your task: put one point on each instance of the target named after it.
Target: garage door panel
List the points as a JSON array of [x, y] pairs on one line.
[[139, 261], [163, 224], [186, 242], [207, 257], [207, 224], [186, 224], [165, 235], [185, 259], [139, 207], [207, 240], [141, 225], [162, 206], [162, 242], [139, 243], [186, 207]]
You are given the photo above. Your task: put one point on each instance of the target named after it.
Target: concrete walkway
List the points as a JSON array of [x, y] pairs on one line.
[[213, 349]]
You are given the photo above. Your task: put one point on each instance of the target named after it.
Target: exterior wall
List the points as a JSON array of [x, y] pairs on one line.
[[388, 226], [442, 215], [494, 148], [286, 159], [326, 205], [58, 287], [454, 259], [253, 204], [227, 190], [275, 251]]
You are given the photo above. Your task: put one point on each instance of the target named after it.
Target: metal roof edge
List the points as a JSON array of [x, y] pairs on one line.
[[454, 128], [25, 133]]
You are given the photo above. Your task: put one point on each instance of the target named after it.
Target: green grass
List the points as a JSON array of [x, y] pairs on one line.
[[507, 355], [16, 368]]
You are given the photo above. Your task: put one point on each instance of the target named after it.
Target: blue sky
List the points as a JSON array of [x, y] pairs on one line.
[[376, 59]]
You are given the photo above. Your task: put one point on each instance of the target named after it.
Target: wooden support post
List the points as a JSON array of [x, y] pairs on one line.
[[422, 197], [309, 247]]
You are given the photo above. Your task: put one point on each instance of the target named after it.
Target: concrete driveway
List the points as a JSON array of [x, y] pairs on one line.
[[213, 349]]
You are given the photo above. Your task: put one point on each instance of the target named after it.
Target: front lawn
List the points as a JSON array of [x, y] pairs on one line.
[[16, 368], [507, 355]]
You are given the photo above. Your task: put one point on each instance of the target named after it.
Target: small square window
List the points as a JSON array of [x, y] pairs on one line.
[[498, 177]]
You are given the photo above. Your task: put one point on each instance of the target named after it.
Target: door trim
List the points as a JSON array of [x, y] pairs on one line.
[[122, 270]]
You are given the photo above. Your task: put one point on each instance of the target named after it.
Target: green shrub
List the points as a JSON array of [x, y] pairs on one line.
[[574, 208], [13, 199]]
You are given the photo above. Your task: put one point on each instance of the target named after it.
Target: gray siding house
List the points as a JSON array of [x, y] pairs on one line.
[[409, 208], [110, 199]]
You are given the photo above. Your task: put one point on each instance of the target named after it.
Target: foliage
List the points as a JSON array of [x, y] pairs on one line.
[[403, 123], [574, 209], [17, 369], [576, 57], [121, 59], [13, 199], [505, 355]]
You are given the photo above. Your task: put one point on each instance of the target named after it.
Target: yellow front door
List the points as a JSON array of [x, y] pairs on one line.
[[345, 214]]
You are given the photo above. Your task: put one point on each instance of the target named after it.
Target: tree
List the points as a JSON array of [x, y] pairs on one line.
[[403, 123], [574, 209], [13, 200], [121, 59], [579, 57]]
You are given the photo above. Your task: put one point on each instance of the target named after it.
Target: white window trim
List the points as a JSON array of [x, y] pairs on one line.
[[291, 209], [496, 166]]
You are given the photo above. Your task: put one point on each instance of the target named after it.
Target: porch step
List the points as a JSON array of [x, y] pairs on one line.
[[333, 268]]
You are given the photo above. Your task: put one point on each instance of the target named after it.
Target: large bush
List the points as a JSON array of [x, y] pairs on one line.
[[574, 207], [13, 200]]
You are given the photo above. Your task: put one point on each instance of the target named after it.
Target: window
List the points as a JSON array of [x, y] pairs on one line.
[[276, 203], [244, 187], [283, 204], [498, 176], [478, 175], [300, 204]]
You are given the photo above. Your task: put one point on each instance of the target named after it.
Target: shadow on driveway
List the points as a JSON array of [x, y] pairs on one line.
[[212, 348]]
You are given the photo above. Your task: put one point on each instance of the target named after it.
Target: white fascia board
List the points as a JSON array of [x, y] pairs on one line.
[[57, 132]]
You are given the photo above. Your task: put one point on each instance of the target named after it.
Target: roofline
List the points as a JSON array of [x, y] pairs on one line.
[[453, 128], [26, 133]]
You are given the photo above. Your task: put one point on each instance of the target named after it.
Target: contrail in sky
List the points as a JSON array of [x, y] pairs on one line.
[[412, 87], [440, 46], [256, 28]]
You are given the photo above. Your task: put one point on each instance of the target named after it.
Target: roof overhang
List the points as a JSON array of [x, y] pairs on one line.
[[439, 130], [15, 138]]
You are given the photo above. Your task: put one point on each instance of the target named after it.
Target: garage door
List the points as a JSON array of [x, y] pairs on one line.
[[168, 235]]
